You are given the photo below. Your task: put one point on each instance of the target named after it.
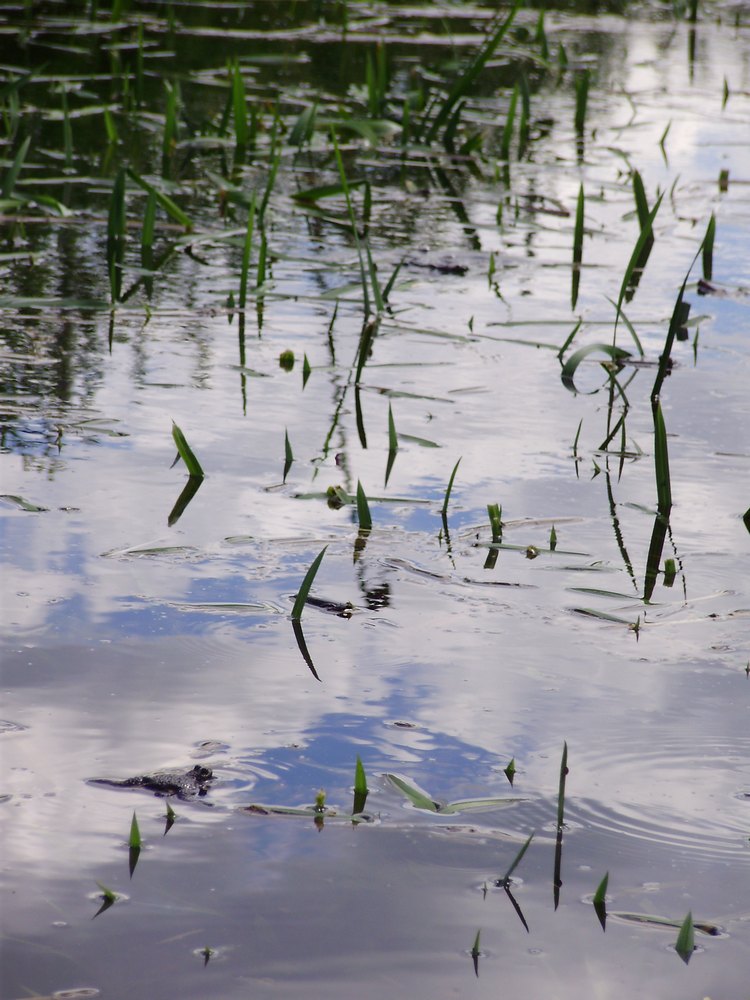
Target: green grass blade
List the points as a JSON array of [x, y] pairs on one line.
[[516, 861], [360, 779], [600, 901], [239, 109], [616, 354], [569, 339], [646, 234], [392, 435], [510, 770], [173, 211], [685, 943], [708, 249], [135, 834], [416, 795], [304, 590], [629, 326], [444, 510], [495, 513], [360, 787], [303, 128], [577, 249], [661, 462], [186, 453], [561, 787], [469, 75], [363, 509], [11, 175]]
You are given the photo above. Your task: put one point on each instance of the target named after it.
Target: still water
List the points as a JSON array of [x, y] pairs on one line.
[[143, 633]]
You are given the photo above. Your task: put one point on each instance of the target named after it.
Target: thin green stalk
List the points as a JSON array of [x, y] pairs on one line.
[[363, 509]]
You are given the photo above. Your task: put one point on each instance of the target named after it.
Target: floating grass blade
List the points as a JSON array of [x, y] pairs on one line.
[[363, 509], [417, 796], [661, 462], [685, 943], [505, 880], [708, 249], [186, 453], [600, 901], [577, 249], [444, 510], [304, 590]]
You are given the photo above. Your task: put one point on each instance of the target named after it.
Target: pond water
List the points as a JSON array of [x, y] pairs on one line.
[[147, 615]]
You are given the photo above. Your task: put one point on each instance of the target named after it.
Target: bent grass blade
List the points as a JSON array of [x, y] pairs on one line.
[[186, 453], [304, 590]]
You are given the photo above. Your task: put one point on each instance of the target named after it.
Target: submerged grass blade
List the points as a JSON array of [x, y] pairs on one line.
[[304, 590], [186, 453]]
